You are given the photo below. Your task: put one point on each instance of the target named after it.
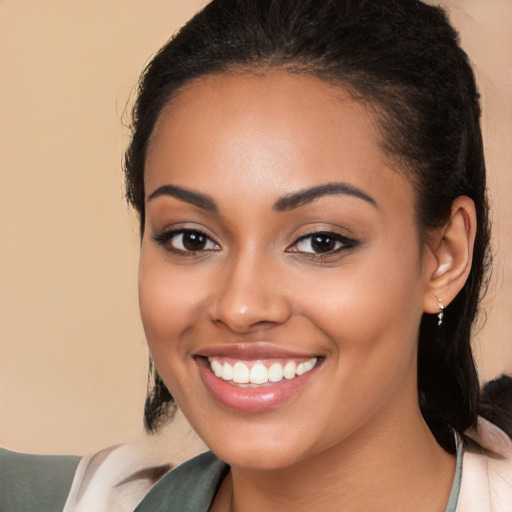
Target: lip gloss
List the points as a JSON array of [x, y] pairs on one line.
[[253, 398]]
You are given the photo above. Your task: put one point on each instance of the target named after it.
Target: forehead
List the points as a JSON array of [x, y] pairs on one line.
[[274, 131]]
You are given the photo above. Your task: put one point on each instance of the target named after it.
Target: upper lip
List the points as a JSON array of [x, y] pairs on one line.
[[251, 350]]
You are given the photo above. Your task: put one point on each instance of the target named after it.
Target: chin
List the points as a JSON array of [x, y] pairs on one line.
[[257, 446], [259, 456]]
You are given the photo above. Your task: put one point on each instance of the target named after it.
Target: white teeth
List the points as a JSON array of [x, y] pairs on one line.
[[240, 373], [259, 373], [289, 370], [309, 365], [216, 367], [227, 372], [275, 372], [301, 368]]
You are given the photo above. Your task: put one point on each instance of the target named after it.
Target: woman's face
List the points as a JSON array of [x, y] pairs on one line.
[[277, 234]]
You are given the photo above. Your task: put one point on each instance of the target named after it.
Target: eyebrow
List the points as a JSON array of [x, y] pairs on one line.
[[285, 203], [198, 199], [308, 195]]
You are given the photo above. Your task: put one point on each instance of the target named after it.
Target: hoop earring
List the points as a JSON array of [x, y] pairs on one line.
[[440, 315]]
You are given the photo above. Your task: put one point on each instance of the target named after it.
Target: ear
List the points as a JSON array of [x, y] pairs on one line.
[[449, 255]]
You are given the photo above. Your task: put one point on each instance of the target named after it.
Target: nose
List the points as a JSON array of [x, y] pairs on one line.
[[250, 296]]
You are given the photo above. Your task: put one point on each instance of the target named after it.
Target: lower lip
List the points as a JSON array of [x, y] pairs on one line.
[[251, 399]]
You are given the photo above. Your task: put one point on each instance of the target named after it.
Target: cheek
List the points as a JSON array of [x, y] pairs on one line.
[[168, 303], [371, 317], [167, 300], [370, 310]]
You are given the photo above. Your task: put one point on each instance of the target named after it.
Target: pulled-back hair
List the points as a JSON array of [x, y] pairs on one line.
[[401, 58]]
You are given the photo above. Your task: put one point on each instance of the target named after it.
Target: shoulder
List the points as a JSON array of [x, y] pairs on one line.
[[119, 477], [486, 484], [35, 482], [189, 488]]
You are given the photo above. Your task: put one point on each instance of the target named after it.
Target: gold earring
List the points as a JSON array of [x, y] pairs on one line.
[[441, 312]]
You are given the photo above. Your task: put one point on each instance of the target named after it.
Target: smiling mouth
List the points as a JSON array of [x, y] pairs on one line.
[[258, 372], [257, 379]]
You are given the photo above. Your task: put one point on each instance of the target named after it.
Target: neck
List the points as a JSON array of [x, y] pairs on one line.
[[397, 466]]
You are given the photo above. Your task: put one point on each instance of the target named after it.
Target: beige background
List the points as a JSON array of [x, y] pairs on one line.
[[72, 350]]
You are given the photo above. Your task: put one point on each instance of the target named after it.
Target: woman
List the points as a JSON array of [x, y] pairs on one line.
[[311, 189]]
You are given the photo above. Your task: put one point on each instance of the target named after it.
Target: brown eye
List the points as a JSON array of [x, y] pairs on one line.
[[322, 243], [192, 241], [186, 241]]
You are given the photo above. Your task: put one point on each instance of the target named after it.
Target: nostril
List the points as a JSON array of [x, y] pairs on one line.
[[245, 303]]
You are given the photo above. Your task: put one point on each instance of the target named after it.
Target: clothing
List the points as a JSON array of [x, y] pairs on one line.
[[482, 482], [487, 471], [193, 488], [189, 488], [38, 483]]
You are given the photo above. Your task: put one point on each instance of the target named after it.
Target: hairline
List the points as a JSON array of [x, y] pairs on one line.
[[377, 111]]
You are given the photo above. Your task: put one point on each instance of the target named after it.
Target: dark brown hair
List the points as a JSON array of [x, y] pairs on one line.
[[402, 59]]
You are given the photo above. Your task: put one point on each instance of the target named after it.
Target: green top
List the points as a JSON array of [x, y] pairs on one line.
[[40, 483], [192, 486], [35, 482]]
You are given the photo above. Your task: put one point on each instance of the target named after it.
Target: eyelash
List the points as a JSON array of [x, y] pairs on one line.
[[341, 242], [165, 239]]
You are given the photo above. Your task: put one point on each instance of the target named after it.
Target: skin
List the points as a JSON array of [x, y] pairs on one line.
[[246, 141]]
